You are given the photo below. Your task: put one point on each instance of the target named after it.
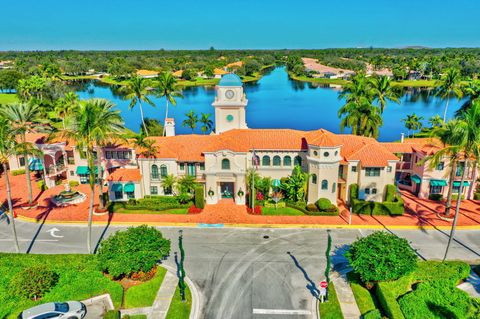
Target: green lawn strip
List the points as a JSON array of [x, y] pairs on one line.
[[179, 309], [144, 294], [362, 295], [415, 83], [281, 211], [138, 317], [7, 98], [330, 309], [175, 211], [79, 279]]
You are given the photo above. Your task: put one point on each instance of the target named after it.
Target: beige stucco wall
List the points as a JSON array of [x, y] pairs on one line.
[[138, 191], [234, 107], [378, 182]]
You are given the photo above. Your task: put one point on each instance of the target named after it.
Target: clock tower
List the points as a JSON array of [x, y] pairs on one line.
[[229, 104]]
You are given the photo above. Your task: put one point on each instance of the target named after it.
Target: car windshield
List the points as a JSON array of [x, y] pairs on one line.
[[61, 306]]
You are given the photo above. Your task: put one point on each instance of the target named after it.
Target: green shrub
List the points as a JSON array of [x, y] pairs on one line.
[[375, 208], [381, 256], [455, 197], [388, 300], [157, 203], [33, 282], [271, 204], [132, 250], [437, 197], [312, 208], [18, 172], [301, 207], [362, 295], [112, 314], [323, 204], [373, 314], [390, 193], [73, 183], [476, 196], [41, 185], [353, 191], [184, 198], [451, 271], [199, 197]]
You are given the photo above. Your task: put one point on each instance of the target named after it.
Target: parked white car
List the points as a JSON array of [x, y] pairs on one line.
[[54, 310]]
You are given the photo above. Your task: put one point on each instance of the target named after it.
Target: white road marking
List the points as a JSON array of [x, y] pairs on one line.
[[53, 231], [28, 240], [280, 312]]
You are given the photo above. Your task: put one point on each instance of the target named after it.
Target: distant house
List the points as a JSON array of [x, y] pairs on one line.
[[234, 65], [6, 64], [178, 74], [218, 73], [147, 74]]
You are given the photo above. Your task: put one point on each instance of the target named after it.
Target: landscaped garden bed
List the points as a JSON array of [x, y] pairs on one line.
[[392, 204], [179, 205], [330, 309]]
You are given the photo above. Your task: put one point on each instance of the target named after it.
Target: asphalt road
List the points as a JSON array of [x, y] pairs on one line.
[[247, 273]]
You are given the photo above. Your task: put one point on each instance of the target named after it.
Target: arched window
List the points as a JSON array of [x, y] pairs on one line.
[[334, 187], [225, 163], [163, 171], [287, 161], [154, 172], [324, 184], [314, 178], [266, 160], [277, 161], [297, 161], [256, 160]]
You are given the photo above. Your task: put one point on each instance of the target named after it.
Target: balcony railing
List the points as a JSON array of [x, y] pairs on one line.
[[404, 165], [55, 169]]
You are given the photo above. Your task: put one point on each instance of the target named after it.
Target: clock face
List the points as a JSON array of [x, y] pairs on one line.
[[229, 94], [229, 117]]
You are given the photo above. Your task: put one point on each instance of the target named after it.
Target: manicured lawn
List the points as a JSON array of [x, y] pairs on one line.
[[179, 309], [363, 297], [79, 279], [138, 317], [330, 309], [175, 211], [318, 80], [144, 294], [283, 211], [417, 83], [6, 98]]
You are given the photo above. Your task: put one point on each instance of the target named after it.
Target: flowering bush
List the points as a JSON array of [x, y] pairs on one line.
[[260, 196], [256, 211], [194, 210]]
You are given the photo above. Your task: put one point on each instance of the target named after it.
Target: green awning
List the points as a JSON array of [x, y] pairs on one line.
[[129, 188], [416, 179], [438, 182], [457, 184], [83, 170], [117, 188], [35, 164], [276, 183]]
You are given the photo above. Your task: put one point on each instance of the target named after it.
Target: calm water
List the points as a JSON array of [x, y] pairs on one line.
[[278, 102]]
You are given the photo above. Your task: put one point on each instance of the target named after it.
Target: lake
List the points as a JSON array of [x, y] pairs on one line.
[[276, 101]]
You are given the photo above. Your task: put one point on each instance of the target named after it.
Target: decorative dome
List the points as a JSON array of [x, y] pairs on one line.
[[230, 79]]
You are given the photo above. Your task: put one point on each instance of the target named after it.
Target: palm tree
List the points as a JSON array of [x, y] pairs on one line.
[[8, 148], [191, 120], [66, 105], [186, 184], [436, 121], [24, 118], [413, 123], [92, 123], [207, 123], [147, 146], [449, 85], [167, 87], [169, 182], [472, 92], [136, 90], [383, 91], [468, 138]]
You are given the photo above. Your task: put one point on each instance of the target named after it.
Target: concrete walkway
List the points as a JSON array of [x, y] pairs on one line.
[[471, 285], [345, 297]]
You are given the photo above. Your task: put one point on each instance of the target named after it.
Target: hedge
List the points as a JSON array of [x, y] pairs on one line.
[[112, 314], [155, 203], [455, 197], [390, 193], [73, 183], [437, 197], [388, 300], [18, 172], [199, 197], [476, 196], [373, 314], [377, 208], [353, 190], [270, 204], [303, 209]]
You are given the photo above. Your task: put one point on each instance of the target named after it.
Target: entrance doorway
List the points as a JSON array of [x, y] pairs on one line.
[[226, 189]]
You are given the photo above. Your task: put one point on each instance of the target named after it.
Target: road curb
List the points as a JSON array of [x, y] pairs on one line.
[[196, 295], [291, 226]]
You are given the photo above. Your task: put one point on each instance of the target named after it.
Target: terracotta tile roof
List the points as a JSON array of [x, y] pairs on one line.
[[219, 72], [147, 73], [427, 146], [125, 175], [234, 64], [178, 73]]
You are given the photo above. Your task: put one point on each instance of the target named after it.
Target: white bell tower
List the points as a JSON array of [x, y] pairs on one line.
[[230, 102]]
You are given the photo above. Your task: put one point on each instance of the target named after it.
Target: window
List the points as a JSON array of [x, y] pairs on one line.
[[314, 178], [48, 315], [315, 153], [277, 161], [225, 163], [440, 166], [167, 190], [154, 172], [108, 154], [126, 154], [21, 161], [367, 191], [324, 184], [287, 161], [182, 166], [336, 153], [374, 191], [460, 168], [114, 155], [334, 187], [354, 169], [130, 195], [120, 155], [389, 169], [436, 189], [72, 173], [297, 161], [153, 190], [202, 166], [118, 195], [163, 171], [326, 154], [191, 169], [372, 171], [266, 160]]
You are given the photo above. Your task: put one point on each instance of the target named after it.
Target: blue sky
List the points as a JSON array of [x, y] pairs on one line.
[[229, 24]]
